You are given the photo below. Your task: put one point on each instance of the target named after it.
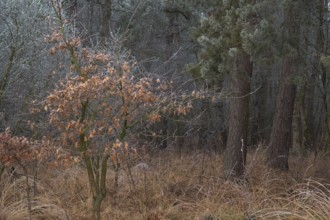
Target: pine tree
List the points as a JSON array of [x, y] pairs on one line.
[[233, 37]]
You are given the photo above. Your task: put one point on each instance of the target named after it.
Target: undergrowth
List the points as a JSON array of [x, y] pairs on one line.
[[168, 185]]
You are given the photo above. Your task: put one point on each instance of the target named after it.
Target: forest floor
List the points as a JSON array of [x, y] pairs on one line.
[[171, 185]]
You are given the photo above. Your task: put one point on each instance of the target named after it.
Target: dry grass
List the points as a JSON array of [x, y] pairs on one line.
[[164, 185], [14, 201]]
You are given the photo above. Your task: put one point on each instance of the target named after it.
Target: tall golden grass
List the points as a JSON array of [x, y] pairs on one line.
[[169, 185]]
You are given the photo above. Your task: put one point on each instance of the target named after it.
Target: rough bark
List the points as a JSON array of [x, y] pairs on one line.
[[311, 128], [235, 153], [281, 137], [310, 131]]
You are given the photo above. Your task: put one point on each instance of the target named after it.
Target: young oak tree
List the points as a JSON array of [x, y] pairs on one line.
[[25, 153], [101, 99]]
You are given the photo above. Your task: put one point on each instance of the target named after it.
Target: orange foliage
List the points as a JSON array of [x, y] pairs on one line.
[[22, 150], [103, 97]]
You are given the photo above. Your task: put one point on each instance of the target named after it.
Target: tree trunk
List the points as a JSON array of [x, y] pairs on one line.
[[106, 19], [2, 169], [311, 124], [322, 49], [97, 183], [97, 201], [281, 137], [90, 18], [235, 153], [311, 130]]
